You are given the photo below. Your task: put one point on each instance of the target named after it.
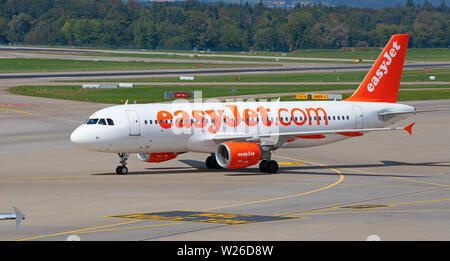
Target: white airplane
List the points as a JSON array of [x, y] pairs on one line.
[[17, 215], [242, 134]]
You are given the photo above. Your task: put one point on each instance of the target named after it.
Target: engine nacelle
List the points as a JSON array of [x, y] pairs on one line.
[[157, 157], [236, 155]]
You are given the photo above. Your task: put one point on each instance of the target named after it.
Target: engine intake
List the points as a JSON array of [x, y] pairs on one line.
[[236, 155], [157, 156]]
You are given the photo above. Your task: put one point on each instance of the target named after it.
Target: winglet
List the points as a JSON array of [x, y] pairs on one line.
[[19, 216], [126, 102], [409, 128]]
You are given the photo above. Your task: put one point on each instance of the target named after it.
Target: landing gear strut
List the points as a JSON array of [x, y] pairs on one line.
[[122, 169], [211, 163], [268, 166]]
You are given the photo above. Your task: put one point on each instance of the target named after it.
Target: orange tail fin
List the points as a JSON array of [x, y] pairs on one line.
[[382, 82]]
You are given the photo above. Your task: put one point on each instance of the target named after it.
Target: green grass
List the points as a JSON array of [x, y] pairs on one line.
[[57, 65], [148, 94], [370, 53], [407, 76]]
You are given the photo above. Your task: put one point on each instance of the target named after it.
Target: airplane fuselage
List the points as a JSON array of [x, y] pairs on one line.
[[190, 127]]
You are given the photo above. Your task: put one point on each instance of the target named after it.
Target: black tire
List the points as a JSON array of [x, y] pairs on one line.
[[272, 166], [119, 170], [263, 166], [124, 171], [211, 163]]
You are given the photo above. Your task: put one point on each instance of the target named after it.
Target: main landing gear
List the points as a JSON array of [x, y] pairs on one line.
[[122, 169], [268, 166], [211, 163]]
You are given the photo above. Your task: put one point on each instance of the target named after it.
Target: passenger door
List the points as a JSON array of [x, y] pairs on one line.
[[359, 114], [133, 119]]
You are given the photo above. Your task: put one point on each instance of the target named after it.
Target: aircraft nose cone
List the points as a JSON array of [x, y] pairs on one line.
[[77, 136]]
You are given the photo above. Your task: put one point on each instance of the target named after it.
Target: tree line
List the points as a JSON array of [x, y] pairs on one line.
[[191, 24]]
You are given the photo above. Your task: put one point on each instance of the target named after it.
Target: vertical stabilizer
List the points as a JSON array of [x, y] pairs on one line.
[[382, 82]]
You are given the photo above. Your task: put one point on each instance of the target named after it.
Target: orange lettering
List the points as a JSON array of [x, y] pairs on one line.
[[281, 119], [249, 113], [293, 116], [217, 120], [308, 110], [264, 116], [164, 119], [237, 118], [184, 120], [199, 120]]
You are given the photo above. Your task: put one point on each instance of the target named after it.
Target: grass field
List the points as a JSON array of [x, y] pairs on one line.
[[351, 53], [57, 65], [370, 53], [148, 94], [407, 76]]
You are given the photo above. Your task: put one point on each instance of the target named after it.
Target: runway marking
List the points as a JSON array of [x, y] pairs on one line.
[[364, 206], [33, 137], [419, 181], [39, 115], [292, 163], [206, 217], [341, 178], [128, 228], [326, 210], [380, 211], [400, 178], [77, 231]]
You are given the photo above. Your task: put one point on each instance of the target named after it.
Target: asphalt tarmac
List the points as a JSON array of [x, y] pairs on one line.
[[391, 185]]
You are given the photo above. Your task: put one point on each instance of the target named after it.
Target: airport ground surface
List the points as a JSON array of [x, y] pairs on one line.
[[391, 185]]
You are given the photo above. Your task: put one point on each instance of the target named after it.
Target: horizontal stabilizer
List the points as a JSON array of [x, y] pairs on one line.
[[409, 128], [412, 112]]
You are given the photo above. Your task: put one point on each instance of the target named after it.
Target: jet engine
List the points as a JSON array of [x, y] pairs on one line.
[[157, 157], [236, 155]]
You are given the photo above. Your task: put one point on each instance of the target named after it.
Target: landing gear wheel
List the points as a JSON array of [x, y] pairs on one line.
[[122, 169], [271, 166], [262, 166], [211, 163]]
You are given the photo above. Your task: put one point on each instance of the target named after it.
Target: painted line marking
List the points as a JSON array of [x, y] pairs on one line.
[[76, 231], [33, 137], [206, 217], [380, 211], [39, 115], [364, 206], [292, 163], [17, 105]]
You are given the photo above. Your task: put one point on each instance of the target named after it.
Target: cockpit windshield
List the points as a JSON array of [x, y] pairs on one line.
[[93, 121]]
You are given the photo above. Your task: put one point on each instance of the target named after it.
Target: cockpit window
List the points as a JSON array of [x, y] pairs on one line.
[[92, 121], [102, 122], [110, 122]]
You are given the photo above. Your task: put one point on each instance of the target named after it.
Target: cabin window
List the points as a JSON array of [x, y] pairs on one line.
[[110, 122], [145, 122], [102, 122]]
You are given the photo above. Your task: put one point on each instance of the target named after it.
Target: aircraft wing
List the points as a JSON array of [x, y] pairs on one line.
[[303, 134]]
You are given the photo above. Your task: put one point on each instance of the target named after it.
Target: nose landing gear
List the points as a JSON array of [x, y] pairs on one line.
[[122, 169]]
